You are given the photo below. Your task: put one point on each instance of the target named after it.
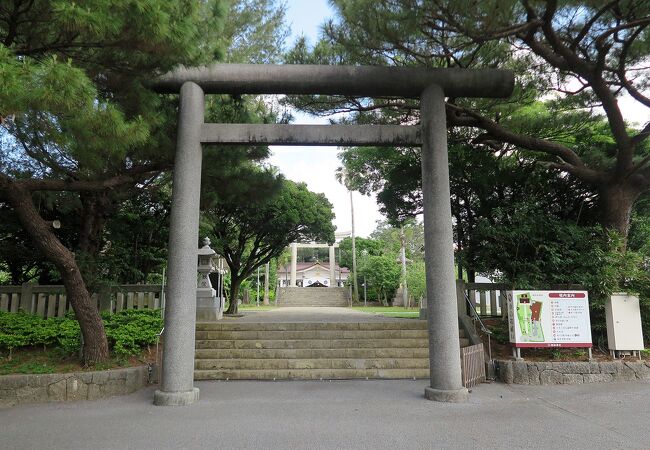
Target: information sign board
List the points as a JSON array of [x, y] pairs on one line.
[[549, 319]]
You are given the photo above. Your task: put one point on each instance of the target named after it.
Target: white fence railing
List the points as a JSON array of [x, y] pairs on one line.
[[488, 299]]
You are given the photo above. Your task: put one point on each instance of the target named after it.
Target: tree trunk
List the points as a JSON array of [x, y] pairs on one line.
[[96, 210], [616, 202], [95, 347], [234, 292], [471, 276]]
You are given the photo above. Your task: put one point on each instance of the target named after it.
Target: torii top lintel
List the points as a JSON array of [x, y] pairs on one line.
[[362, 81]]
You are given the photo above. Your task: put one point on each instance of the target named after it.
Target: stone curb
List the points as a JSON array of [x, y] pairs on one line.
[[544, 373], [60, 387]]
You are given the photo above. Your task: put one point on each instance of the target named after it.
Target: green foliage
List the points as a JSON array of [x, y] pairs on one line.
[[416, 281], [383, 274], [68, 334], [364, 248], [579, 353], [255, 31], [8, 367], [261, 218], [26, 330], [137, 236], [390, 311], [69, 93], [10, 341], [389, 233], [127, 331], [500, 331]]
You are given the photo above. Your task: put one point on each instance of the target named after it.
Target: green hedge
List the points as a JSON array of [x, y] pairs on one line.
[[127, 331]]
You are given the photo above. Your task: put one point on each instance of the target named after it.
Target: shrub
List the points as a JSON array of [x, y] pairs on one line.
[[127, 331]]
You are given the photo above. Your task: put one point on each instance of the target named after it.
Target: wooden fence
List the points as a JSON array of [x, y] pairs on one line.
[[51, 301], [489, 299], [472, 359]]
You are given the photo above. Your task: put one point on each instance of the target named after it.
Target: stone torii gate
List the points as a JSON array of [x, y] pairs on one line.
[[429, 85], [294, 260]]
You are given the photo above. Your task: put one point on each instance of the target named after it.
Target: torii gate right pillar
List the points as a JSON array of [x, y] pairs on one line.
[[442, 315]]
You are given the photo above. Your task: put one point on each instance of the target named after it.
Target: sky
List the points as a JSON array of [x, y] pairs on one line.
[[316, 166]]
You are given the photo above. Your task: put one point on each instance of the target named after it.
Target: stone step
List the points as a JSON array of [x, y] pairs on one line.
[[314, 363], [301, 297], [323, 298], [312, 303], [312, 334], [310, 374], [308, 305], [411, 324], [311, 353], [311, 343], [315, 297], [313, 350], [311, 293]]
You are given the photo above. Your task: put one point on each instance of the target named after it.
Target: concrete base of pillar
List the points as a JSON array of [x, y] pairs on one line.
[[449, 396], [161, 398]]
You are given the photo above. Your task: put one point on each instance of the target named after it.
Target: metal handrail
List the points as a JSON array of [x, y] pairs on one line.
[[162, 330], [476, 316], [483, 327]]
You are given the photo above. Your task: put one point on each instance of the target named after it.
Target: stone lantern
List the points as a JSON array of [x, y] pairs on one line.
[[208, 307]]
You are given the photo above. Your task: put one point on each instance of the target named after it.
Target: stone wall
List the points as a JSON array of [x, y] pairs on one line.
[[530, 372], [58, 387]]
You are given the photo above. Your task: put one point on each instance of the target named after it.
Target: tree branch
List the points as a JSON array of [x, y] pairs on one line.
[[585, 29], [642, 135], [500, 133], [131, 176]]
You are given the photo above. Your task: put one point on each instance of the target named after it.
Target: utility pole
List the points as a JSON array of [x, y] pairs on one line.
[[405, 295], [365, 291], [257, 301], [267, 270], [355, 287]]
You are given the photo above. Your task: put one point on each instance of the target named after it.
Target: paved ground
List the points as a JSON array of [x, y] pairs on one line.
[[310, 314], [342, 415]]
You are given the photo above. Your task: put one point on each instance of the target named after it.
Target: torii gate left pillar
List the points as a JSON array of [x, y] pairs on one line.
[[177, 383], [430, 85]]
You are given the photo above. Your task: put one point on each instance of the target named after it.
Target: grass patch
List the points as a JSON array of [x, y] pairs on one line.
[[54, 360], [390, 311], [256, 308]]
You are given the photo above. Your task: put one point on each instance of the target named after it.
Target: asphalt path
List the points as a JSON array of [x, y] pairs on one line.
[[386, 414]]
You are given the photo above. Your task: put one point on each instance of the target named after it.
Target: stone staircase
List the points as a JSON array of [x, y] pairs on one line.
[[313, 296], [308, 351]]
